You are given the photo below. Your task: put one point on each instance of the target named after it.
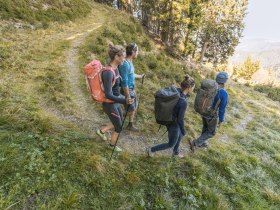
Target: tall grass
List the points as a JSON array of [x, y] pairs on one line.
[[43, 12], [271, 91]]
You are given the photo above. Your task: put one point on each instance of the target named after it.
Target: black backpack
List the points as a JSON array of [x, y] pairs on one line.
[[165, 102], [205, 97]]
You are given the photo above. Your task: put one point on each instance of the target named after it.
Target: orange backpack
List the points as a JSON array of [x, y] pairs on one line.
[[93, 72]]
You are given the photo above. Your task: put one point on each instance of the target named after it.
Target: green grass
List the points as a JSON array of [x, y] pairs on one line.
[[271, 91], [50, 163], [43, 12]]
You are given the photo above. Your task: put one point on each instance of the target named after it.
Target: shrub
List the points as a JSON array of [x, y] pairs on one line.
[[272, 92], [247, 69]]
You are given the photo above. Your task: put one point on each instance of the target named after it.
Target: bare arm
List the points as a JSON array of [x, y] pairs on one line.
[[139, 76], [126, 92]]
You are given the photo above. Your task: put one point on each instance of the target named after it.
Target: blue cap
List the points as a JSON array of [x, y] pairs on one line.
[[222, 77]]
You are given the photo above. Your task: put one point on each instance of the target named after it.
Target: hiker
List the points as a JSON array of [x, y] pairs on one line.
[[218, 107], [176, 130], [112, 92], [128, 82]]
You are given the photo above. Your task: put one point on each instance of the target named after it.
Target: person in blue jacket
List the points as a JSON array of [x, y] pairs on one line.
[[128, 82], [177, 130], [210, 123]]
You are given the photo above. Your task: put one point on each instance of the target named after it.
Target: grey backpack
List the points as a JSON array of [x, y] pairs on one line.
[[205, 98], [165, 102]]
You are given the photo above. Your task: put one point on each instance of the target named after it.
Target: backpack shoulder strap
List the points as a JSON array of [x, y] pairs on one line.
[[180, 97], [109, 68], [218, 102], [185, 99]]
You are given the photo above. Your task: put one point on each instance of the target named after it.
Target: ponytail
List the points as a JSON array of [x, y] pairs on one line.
[[187, 82]]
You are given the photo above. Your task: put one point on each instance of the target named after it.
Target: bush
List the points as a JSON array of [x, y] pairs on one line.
[[146, 45], [272, 92], [247, 69]]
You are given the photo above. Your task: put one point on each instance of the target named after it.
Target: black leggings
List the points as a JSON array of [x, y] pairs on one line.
[[115, 114]]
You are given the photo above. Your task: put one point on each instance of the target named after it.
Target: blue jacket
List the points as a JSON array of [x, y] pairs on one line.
[[223, 96], [127, 73], [179, 112]]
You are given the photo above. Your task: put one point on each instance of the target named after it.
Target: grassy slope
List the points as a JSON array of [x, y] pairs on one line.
[[271, 91], [50, 163], [40, 13]]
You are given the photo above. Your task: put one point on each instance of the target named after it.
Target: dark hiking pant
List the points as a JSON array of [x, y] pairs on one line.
[[208, 131], [175, 136], [114, 112]]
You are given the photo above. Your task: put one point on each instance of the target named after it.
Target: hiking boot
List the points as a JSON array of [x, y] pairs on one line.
[[204, 145], [178, 155], [101, 135], [117, 149], [149, 152], [131, 127], [192, 145]]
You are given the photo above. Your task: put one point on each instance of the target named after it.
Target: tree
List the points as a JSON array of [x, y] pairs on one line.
[[167, 18], [211, 27], [221, 29], [247, 69], [109, 2]]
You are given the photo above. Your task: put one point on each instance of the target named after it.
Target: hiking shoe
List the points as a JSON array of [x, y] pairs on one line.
[[117, 149], [178, 155], [149, 152], [192, 145], [130, 127], [101, 135], [204, 145]]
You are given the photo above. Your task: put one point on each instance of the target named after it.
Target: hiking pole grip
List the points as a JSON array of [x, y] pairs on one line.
[[120, 132]]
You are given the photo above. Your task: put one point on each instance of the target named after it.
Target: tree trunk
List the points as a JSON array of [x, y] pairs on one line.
[[187, 38], [204, 48], [158, 28], [186, 41], [145, 17], [129, 7], [164, 36], [195, 46], [171, 27]]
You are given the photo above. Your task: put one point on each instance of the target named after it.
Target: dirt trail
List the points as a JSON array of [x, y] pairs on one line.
[[134, 143], [89, 118], [242, 125], [85, 115], [86, 111], [239, 127]]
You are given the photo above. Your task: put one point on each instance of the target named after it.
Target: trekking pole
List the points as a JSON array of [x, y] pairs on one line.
[[120, 132], [142, 82], [162, 135]]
